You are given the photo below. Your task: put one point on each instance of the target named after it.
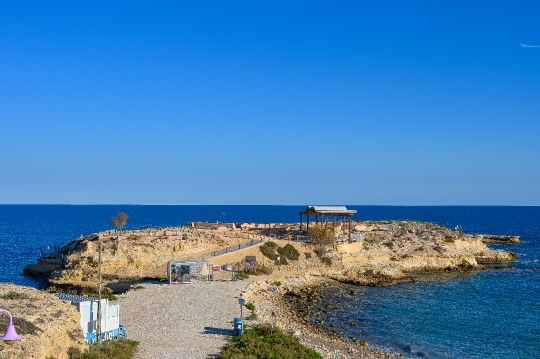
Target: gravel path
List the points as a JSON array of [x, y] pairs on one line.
[[181, 320]]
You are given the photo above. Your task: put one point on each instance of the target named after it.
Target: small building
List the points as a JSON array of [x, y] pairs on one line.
[[186, 271], [323, 213], [88, 308]]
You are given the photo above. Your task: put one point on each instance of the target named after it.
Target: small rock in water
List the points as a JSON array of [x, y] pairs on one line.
[[361, 342]]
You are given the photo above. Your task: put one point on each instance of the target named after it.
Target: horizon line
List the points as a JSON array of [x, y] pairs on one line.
[[277, 205]]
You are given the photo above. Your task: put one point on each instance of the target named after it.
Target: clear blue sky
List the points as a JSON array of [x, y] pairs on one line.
[[405, 103]]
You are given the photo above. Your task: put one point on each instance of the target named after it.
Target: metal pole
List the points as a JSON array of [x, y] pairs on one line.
[[99, 292]]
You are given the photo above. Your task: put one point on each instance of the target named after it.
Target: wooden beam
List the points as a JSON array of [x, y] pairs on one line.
[[350, 239]]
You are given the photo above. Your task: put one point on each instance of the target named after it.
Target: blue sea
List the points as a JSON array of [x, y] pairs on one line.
[[484, 314]]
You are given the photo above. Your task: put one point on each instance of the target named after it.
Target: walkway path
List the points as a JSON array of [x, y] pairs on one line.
[[188, 321]]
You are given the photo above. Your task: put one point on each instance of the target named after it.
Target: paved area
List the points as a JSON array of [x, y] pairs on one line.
[[187, 321]]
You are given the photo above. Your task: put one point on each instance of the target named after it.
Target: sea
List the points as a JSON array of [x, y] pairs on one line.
[[480, 314]]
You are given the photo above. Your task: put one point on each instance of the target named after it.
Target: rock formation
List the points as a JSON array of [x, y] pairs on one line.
[[49, 325], [389, 253], [128, 257]]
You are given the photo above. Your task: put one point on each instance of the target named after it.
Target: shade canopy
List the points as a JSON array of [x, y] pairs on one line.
[[328, 210]]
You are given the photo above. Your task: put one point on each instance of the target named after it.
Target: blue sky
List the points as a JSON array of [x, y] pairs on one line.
[[402, 103]]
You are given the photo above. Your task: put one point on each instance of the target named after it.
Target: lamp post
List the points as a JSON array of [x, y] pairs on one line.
[[11, 335]]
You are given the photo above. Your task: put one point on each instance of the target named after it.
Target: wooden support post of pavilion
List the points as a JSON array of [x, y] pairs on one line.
[[324, 212]]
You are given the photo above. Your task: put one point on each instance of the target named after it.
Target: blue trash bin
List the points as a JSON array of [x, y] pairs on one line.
[[238, 326]]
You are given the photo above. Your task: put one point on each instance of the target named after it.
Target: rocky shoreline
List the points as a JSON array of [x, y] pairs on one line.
[[294, 302], [286, 305]]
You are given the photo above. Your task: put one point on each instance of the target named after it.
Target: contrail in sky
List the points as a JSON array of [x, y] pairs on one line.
[[530, 46]]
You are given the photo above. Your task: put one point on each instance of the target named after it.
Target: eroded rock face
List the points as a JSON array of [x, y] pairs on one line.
[[130, 257], [49, 325], [392, 251]]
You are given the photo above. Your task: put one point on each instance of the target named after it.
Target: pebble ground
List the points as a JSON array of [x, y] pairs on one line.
[[188, 321]]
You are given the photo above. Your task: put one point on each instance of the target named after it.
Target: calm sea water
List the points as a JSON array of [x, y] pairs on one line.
[[487, 314]]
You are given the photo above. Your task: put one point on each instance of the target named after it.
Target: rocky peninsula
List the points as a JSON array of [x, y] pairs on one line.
[[390, 252]]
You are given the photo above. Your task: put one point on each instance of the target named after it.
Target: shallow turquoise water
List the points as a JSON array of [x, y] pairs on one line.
[[487, 314], [483, 314], [475, 315]]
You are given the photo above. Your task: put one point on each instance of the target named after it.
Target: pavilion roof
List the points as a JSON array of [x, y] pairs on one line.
[[332, 210]]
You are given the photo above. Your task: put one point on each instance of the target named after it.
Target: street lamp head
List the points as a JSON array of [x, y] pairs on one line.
[[11, 335]]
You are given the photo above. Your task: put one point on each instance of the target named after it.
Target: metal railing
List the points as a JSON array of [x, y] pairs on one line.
[[236, 247], [355, 237]]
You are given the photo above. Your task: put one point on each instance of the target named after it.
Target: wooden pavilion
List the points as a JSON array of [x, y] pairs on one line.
[[322, 213]]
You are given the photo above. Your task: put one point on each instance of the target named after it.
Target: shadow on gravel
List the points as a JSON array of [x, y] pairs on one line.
[[218, 331]]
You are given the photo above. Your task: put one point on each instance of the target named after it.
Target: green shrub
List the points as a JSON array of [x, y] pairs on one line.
[[289, 252], [308, 255], [269, 250], [258, 270], [264, 330], [242, 275], [118, 349], [320, 251], [15, 295], [282, 261], [265, 342], [111, 297], [264, 270], [326, 260], [250, 306]]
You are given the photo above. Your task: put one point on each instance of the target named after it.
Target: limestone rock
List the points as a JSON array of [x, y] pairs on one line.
[[49, 326]]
